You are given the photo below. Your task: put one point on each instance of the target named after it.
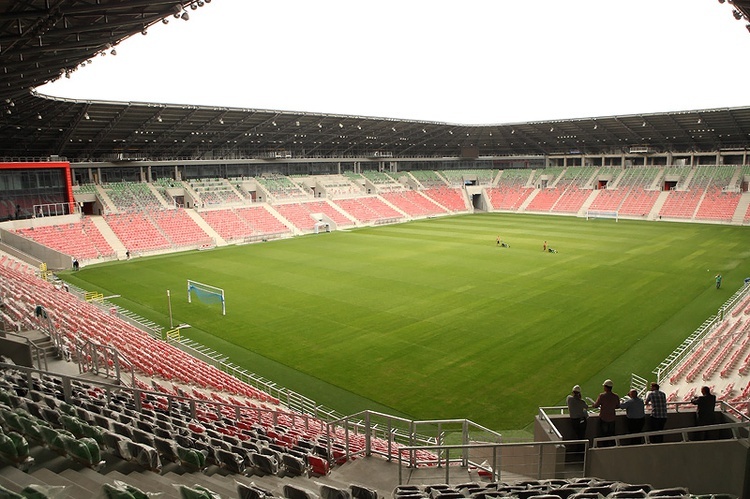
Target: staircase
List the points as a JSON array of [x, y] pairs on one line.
[[739, 213], [109, 236]]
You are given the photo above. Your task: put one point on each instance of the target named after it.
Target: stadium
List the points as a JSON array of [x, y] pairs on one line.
[[203, 301]]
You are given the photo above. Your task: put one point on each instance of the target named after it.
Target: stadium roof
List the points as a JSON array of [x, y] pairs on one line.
[[42, 40]]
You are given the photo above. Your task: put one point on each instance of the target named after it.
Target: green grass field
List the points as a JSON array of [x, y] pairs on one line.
[[430, 319]]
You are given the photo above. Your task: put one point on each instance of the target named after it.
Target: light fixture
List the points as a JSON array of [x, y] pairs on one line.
[[747, 26], [185, 16], [165, 21], [737, 14], [39, 116], [144, 32], [86, 116], [113, 52], [193, 6]]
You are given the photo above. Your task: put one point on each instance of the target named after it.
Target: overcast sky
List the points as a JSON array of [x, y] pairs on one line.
[[469, 62]]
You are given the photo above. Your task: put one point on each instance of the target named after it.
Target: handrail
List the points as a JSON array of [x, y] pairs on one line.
[[723, 406], [665, 368], [492, 468], [399, 432], [684, 433]]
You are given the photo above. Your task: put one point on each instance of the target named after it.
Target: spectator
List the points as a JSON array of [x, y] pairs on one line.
[[635, 413], [704, 415], [657, 399], [577, 410], [607, 403]]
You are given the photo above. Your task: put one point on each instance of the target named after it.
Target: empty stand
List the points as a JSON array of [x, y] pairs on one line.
[[80, 239]]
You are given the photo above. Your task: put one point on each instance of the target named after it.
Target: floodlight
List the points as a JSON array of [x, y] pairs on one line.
[[737, 14]]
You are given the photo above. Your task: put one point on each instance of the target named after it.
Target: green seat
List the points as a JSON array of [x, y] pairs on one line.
[[84, 450]]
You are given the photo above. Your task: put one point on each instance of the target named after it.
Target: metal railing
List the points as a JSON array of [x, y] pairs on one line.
[[533, 460], [674, 359], [738, 431], [394, 432]]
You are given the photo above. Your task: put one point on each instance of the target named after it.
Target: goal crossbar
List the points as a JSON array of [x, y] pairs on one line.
[[206, 293], [591, 214]]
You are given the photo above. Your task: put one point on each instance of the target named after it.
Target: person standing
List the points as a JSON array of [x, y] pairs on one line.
[[635, 413], [607, 403], [657, 399], [75, 263], [704, 415], [718, 281], [544, 247], [577, 410]]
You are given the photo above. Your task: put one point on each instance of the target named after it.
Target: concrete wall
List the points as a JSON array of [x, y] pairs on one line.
[[20, 353], [704, 467], [54, 259], [718, 466]]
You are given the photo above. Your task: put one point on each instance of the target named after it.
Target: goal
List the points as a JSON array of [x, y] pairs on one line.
[[593, 214], [206, 294]]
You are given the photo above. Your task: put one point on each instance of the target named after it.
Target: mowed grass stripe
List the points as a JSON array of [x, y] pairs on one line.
[[431, 319]]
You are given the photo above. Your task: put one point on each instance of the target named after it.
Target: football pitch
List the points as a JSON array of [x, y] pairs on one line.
[[431, 319]]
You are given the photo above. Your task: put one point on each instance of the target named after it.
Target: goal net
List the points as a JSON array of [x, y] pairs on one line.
[[593, 214], [206, 294]]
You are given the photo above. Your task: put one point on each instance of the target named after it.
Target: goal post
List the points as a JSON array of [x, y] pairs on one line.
[[593, 214], [206, 294]]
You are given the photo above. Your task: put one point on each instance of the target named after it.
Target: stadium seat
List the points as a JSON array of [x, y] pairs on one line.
[[264, 465], [331, 492], [252, 491], [318, 465], [362, 492], [294, 492]]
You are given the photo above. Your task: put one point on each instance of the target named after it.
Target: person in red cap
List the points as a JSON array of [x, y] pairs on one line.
[[607, 403]]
